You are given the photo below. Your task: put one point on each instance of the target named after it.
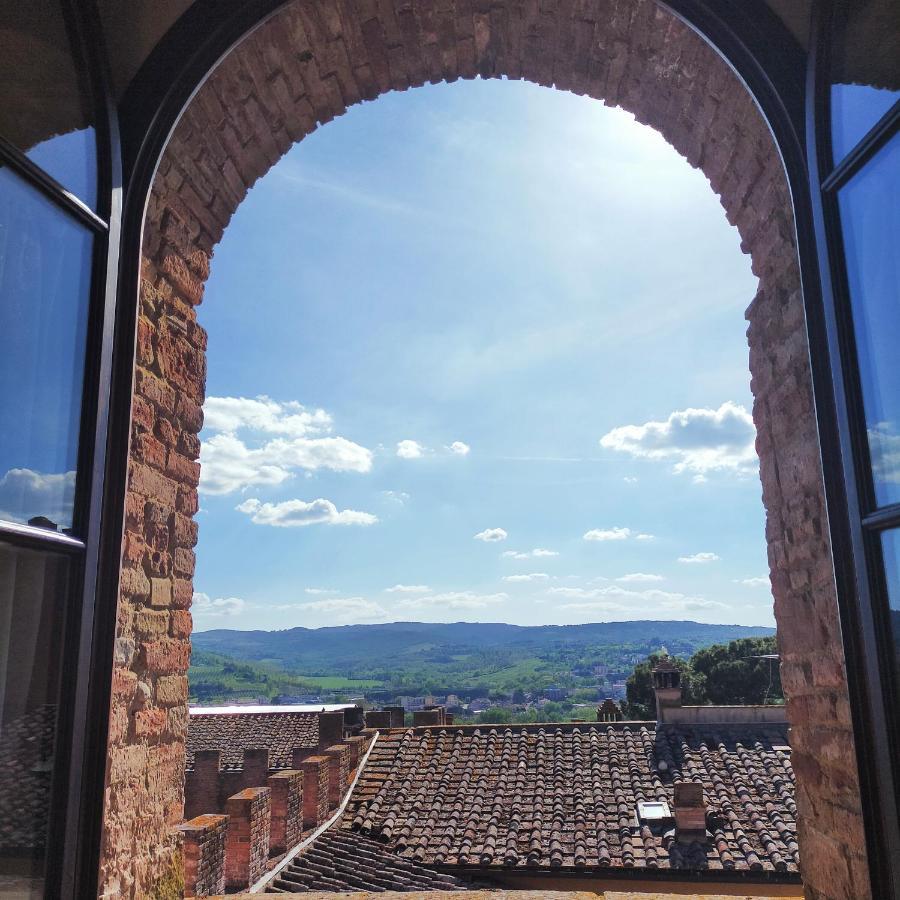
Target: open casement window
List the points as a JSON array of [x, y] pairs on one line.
[[56, 204], [854, 108]]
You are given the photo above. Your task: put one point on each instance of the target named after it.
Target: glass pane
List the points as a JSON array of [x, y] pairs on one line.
[[890, 544], [870, 215], [865, 70], [33, 591], [45, 112], [45, 270]]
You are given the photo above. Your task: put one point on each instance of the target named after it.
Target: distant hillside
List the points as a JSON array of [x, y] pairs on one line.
[[462, 655]]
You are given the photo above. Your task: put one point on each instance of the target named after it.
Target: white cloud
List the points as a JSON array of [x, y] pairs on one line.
[[409, 449], [227, 464], [231, 414], [698, 440], [490, 535], [453, 600], [630, 479], [398, 497], [460, 449], [534, 576], [761, 581], [885, 450], [205, 607], [645, 537], [646, 601], [25, 494], [342, 609], [608, 534], [295, 513], [698, 558], [537, 553], [639, 576], [316, 591], [408, 589]]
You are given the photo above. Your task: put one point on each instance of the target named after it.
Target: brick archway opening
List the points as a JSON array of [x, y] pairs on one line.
[[300, 69]]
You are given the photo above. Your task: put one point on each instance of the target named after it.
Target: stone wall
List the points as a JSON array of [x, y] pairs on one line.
[[305, 66]]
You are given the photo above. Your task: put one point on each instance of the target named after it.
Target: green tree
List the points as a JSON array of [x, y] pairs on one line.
[[733, 675], [640, 702]]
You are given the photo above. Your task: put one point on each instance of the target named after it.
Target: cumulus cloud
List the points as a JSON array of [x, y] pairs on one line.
[[460, 449], [761, 581], [408, 589], [231, 461], [203, 606], [697, 440], [698, 558], [490, 535], [607, 534], [231, 414], [537, 553], [25, 494], [410, 449], [534, 576], [298, 513], [316, 591], [639, 576], [614, 597], [341, 609], [645, 537], [453, 600]]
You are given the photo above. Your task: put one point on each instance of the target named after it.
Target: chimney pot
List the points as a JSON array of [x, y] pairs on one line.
[[690, 812]]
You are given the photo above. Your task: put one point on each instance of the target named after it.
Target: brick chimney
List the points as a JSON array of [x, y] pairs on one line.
[[666, 687], [609, 711], [690, 811]]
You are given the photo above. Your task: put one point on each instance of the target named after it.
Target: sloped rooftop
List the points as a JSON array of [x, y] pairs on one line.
[[563, 797]]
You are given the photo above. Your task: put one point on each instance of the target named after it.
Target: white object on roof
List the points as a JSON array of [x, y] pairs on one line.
[[256, 710]]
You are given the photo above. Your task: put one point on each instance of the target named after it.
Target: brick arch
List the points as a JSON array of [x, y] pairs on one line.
[[299, 70]]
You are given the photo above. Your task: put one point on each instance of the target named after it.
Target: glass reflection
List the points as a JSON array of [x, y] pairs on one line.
[[45, 267], [45, 111], [890, 544], [865, 71], [870, 216], [33, 591]]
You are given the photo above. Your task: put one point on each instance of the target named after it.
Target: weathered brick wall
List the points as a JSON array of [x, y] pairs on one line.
[[338, 758], [315, 790], [301, 69], [287, 809], [247, 836], [203, 850]]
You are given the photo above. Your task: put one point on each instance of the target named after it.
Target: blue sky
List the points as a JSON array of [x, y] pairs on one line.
[[477, 352]]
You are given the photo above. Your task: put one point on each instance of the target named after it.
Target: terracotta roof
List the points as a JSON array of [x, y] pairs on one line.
[[345, 861], [564, 797], [232, 734]]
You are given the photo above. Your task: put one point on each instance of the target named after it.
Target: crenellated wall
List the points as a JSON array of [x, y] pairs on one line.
[[302, 68]]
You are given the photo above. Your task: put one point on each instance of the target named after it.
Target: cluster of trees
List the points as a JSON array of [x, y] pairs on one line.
[[721, 674]]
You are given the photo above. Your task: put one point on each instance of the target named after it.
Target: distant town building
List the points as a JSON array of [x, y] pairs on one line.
[[556, 693]]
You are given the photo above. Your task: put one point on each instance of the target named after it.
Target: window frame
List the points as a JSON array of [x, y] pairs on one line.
[[859, 564], [75, 813]]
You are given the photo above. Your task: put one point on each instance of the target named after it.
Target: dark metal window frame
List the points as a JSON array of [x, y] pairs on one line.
[[867, 628], [74, 814]]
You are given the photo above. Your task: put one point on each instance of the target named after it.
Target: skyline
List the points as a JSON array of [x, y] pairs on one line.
[[381, 444]]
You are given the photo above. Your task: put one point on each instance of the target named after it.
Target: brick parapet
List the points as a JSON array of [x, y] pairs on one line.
[[315, 790], [203, 852], [302, 68], [338, 758], [247, 836], [287, 809]]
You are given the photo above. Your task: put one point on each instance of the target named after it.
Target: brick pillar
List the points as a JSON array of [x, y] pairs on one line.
[[338, 772], [256, 767], [378, 718], [357, 744], [428, 717], [448, 718], [247, 840], [397, 716], [203, 851], [315, 790], [287, 809], [331, 729], [298, 754], [201, 784]]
